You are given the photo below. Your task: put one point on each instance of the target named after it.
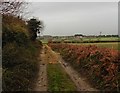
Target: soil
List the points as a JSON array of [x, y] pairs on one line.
[[41, 82]]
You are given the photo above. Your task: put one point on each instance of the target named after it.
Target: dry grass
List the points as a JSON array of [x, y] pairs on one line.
[[51, 56]]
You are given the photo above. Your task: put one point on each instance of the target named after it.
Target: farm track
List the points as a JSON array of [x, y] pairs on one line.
[[41, 83]]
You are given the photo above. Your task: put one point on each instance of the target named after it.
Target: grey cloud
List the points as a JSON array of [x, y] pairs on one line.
[[68, 18]]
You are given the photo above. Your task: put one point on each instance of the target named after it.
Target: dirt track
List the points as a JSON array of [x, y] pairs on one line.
[[80, 82], [41, 84]]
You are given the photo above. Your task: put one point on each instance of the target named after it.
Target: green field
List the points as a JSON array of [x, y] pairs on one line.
[[112, 45], [73, 39], [101, 39]]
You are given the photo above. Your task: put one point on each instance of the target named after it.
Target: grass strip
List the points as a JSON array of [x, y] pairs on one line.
[[58, 79]]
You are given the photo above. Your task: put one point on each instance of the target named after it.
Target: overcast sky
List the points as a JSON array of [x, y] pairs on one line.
[[69, 18]]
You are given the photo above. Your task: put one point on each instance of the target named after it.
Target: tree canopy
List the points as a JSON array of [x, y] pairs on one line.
[[34, 26]]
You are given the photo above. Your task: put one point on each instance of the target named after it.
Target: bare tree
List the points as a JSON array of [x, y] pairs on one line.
[[14, 7]]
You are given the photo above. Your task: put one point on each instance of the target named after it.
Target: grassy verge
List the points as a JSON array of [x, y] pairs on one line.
[[58, 79]]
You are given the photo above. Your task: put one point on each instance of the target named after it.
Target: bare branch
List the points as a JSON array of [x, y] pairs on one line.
[[14, 7]]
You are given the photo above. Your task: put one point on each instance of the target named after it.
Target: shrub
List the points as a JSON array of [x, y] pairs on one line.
[[20, 66]]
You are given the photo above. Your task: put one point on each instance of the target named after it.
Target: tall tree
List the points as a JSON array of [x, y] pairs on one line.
[[35, 27]]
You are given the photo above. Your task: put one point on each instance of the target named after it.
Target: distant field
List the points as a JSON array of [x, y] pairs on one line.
[[84, 39], [101, 39], [112, 45], [90, 39]]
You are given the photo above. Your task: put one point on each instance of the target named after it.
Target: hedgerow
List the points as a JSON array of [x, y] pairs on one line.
[[19, 55], [100, 65]]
